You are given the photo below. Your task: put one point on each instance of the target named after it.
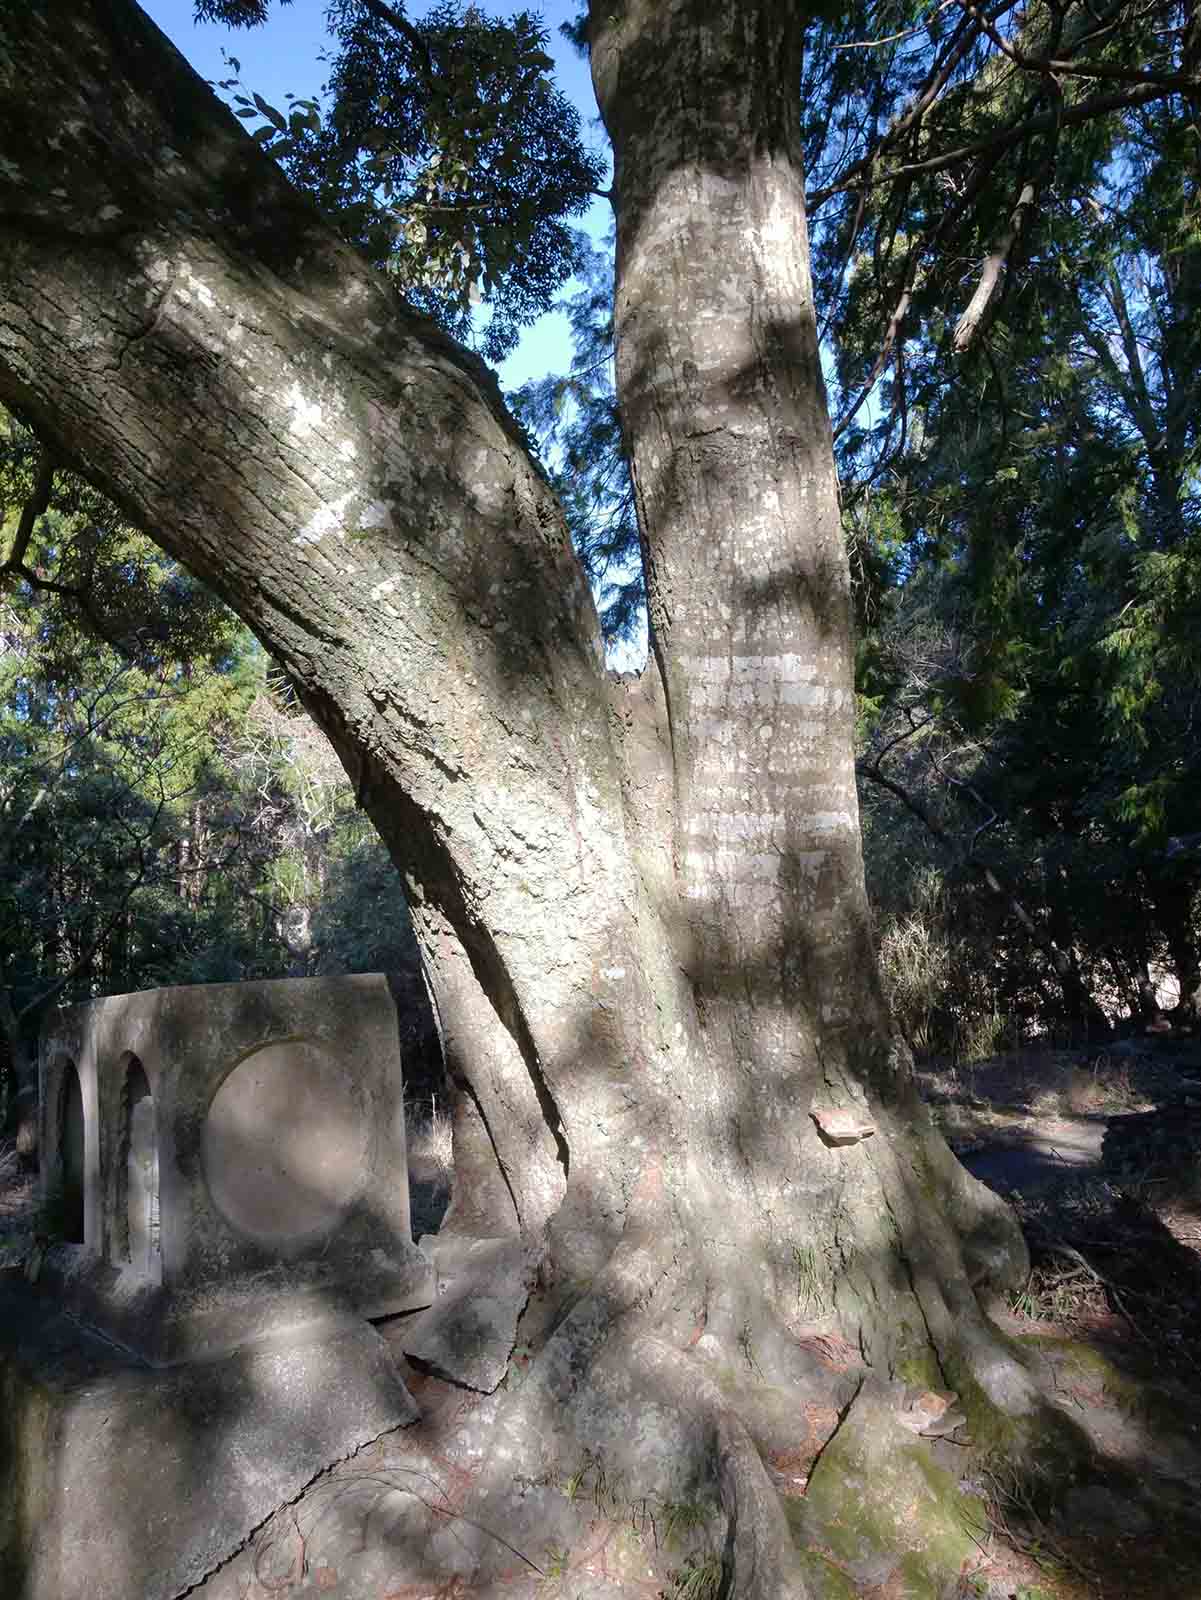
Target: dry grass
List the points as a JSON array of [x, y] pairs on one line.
[[430, 1142], [1104, 1088]]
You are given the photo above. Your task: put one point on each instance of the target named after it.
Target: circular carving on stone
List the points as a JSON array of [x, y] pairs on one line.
[[285, 1143]]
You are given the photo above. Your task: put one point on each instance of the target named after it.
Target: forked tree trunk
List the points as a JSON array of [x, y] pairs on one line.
[[641, 908]]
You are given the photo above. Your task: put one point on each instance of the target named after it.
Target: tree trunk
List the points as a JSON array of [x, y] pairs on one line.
[[21, 1108], [1175, 900], [641, 908]]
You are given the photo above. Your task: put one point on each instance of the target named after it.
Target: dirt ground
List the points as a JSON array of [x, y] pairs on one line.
[[1042, 1090], [1111, 1315]]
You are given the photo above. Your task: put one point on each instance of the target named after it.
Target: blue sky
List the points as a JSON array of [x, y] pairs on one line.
[[283, 57]]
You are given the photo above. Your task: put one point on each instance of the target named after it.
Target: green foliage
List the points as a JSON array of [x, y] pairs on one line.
[[575, 423], [96, 578], [167, 813], [360, 922], [1029, 666], [445, 153]]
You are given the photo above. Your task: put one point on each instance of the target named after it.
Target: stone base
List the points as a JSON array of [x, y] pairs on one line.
[[468, 1334], [166, 1328], [119, 1482]]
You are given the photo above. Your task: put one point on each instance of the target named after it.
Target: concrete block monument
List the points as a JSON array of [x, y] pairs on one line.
[[228, 1164]]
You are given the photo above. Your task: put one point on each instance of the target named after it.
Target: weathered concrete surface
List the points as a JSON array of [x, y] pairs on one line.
[[468, 1334], [243, 1164], [406, 1519], [122, 1483]]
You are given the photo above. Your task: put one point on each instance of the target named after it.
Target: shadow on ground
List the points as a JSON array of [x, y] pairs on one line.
[[1110, 1320]]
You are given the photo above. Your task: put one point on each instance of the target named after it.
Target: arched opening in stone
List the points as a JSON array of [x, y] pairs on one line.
[[71, 1154], [136, 1219]]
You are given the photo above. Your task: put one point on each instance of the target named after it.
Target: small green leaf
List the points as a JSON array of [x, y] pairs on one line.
[[271, 113]]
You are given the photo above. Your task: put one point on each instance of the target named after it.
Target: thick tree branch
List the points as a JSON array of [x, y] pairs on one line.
[[412, 36], [975, 311]]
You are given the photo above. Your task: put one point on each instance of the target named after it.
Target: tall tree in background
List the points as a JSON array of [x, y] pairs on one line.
[[641, 908], [1034, 470], [446, 155]]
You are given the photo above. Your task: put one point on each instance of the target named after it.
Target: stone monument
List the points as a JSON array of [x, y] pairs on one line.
[[227, 1163]]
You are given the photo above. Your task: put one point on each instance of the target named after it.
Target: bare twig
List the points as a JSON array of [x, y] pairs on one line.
[[1000, 140], [1071, 1254], [896, 38]]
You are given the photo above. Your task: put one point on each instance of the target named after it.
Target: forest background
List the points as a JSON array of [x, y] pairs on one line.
[[1012, 349]]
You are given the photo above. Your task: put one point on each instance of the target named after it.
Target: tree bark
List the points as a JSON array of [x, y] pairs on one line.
[[1175, 901], [640, 908], [21, 1118]]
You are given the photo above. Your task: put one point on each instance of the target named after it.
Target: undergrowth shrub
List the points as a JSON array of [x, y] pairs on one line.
[[938, 979]]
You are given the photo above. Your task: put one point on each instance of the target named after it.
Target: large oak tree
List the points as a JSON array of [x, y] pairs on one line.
[[640, 904]]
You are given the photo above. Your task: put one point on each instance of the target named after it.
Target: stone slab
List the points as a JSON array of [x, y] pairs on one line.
[[227, 1157], [203, 1321], [468, 1334], [119, 1482]]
